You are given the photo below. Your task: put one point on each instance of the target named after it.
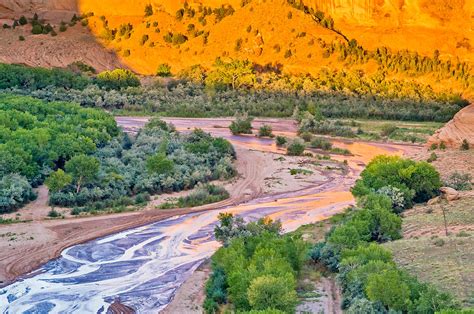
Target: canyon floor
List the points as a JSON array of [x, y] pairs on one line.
[[264, 174]]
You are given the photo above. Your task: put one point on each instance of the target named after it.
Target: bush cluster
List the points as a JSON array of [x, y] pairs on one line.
[[117, 79], [369, 277], [257, 268], [203, 194], [241, 125], [271, 95], [37, 136], [18, 76], [158, 160], [416, 181]]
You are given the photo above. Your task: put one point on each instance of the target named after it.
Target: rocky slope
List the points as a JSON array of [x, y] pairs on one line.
[[263, 31]]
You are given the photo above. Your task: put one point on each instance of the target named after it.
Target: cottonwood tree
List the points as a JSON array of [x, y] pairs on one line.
[[83, 170], [235, 73], [58, 180]]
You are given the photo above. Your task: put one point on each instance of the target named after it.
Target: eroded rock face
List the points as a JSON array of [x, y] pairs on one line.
[[460, 128]]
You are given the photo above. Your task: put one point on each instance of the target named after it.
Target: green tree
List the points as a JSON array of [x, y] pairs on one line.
[[269, 292], [117, 79], [58, 180], [389, 288], [83, 170], [148, 10], [235, 74], [164, 70], [159, 164]]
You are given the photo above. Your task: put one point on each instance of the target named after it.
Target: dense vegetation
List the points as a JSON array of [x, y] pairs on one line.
[[127, 171], [18, 76], [201, 93], [256, 269], [36, 137], [370, 280]]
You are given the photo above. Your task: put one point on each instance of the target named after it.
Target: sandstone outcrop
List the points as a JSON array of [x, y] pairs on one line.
[[460, 128]]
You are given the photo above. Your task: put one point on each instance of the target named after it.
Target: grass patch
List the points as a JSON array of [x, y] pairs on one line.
[[402, 131], [9, 221], [445, 261], [305, 172]]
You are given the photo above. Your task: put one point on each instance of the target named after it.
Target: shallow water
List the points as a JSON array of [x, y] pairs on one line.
[[143, 267]]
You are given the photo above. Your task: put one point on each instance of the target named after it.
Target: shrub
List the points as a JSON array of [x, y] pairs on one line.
[[144, 39], [460, 182], [439, 242], [117, 79], [388, 288], [23, 20], [419, 181], [142, 198], [202, 195], [396, 196], [281, 140], [272, 292], [15, 191], [159, 164], [21, 38], [164, 70], [53, 214], [464, 145], [265, 131], [388, 129], [433, 157], [321, 143], [148, 10], [296, 148], [306, 136], [37, 29], [241, 125]]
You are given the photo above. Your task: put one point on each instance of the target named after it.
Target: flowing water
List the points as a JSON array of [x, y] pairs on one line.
[[143, 267]]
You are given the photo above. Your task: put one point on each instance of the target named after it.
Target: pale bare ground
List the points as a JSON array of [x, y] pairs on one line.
[[327, 299], [76, 44], [26, 246], [190, 296]]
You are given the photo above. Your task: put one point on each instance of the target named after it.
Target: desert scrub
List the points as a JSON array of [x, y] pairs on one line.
[[294, 172], [321, 143], [265, 131], [159, 160], [241, 125], [202, 195], [281, 141], [295, 148]]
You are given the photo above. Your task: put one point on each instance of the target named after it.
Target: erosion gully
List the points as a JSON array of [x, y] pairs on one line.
[[143, 267]]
